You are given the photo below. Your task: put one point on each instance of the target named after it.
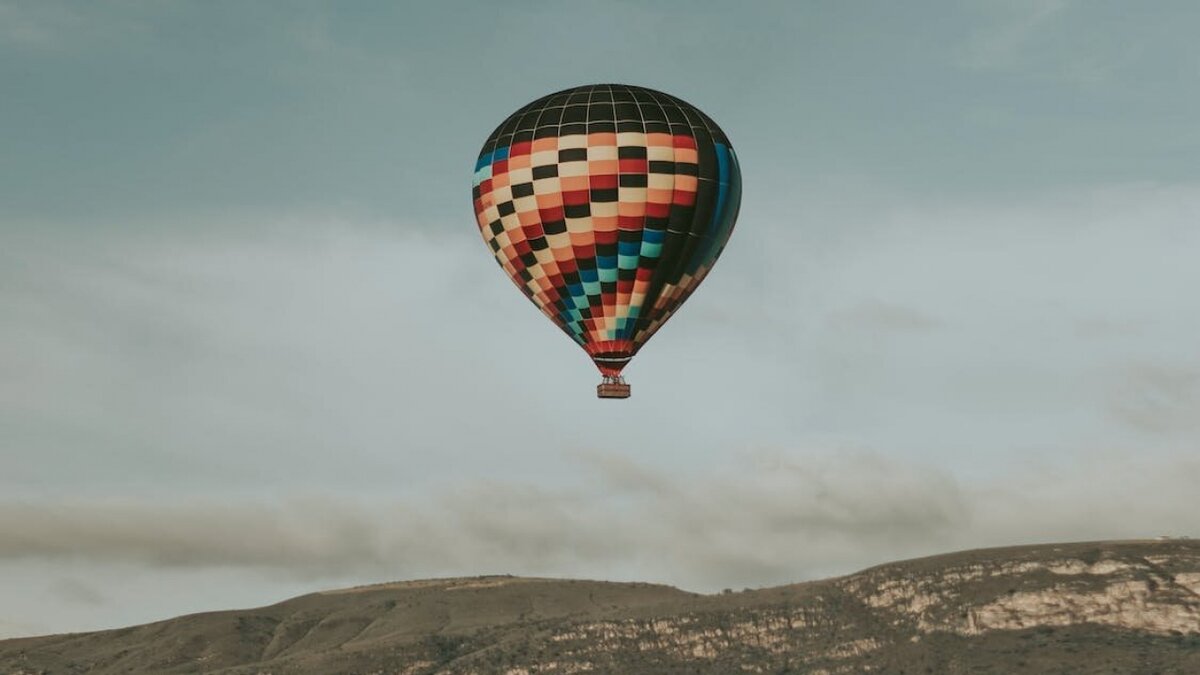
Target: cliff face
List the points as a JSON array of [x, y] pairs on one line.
[[1150, 589], [1126, 607]]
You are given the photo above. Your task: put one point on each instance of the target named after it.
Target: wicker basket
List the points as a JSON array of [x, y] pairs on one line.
[[612, 390]]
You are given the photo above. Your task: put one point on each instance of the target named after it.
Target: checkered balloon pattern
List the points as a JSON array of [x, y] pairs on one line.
[[607, 205]]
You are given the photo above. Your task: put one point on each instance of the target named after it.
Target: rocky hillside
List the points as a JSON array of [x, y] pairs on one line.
[[1111, 607]]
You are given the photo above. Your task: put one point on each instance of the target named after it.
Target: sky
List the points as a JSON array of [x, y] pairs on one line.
[[252, 346]]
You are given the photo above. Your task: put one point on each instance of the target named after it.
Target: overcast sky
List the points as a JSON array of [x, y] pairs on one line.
[[251, 344]]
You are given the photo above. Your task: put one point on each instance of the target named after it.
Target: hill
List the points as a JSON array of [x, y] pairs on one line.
[[1101, 607]]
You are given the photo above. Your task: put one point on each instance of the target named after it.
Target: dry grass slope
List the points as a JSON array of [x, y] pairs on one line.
[[1106, 607]]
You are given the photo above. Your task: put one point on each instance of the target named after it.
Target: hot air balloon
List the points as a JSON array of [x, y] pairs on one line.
[[607, 205]]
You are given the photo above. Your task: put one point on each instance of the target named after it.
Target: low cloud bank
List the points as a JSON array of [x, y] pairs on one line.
[[769, 519]]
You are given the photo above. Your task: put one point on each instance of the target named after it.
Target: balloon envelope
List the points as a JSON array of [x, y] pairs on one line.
[[607, 205]]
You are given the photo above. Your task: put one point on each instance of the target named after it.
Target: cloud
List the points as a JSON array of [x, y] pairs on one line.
[[51, 25], [1157, 399], [76, 592], [1008, 34], [1041, 40], [879, 316], [769, 518], [34, 24], [19, 629], [284, 349], [198, 533], [781, 517], [1101, 328]]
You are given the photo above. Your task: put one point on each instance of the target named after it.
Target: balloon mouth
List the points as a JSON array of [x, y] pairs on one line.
[[610, 366], [611, 356]]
